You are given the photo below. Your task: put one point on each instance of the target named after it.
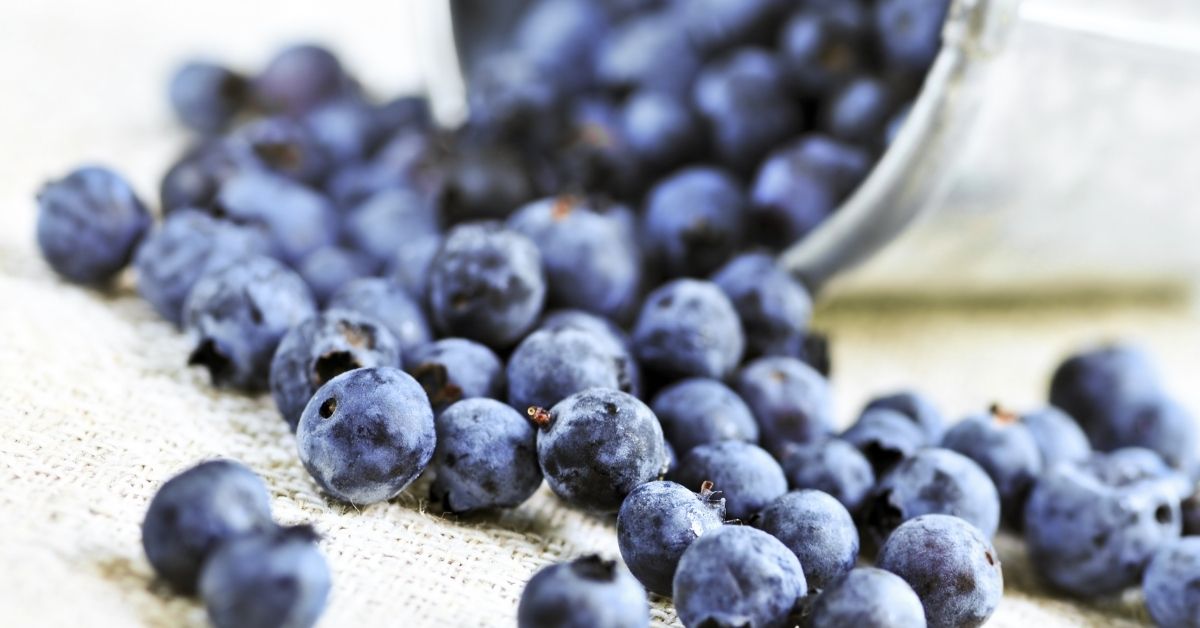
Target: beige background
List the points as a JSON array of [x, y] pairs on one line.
[[97, 409]]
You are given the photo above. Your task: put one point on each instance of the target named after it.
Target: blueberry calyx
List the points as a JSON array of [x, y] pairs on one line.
[[594, 567], [435, 380], [1003, 415], [208, 355], [332, 364], [540, 417]]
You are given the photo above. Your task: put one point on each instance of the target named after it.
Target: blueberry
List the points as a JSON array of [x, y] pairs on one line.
[[410, 267], [89, 224], [614, 337], [951, 566], [366, 434], [486, 284], [789, 197], [206, 96], [657, 522], [1100, 388], [818, 530], [197, 510], [412, 159], [237, 315], [917, 408], [774, 308], [321, 348], [741, 96], [560, 37], [452, 369], [512, 97], [1059, 438], [748, 477], [821, 49], [1090, 537], [589, 262], [868, 597], [648, 52], [389, 221], [1006, 450], [1162, 425], [659, 129], [195, 178], [486, 457], [283, 146], [688, 328], [1190, 512], [933, 481], [859, 111], [791, 402], [188, 245], [1172, 584], [692, 221], [329, 268], [833, 466], [598, 445], [885, 437], [716, 24], [595, 158], [700, 411], [584, 593], [298, 78], [845, 165], [909, 32], [345, 129], [403, 113], [275, 578], [550, 365], [738, 576], [298, 219], [386, 302], [1129, 465]]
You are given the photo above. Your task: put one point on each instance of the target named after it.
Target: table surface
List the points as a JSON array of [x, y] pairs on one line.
[[98, 407]]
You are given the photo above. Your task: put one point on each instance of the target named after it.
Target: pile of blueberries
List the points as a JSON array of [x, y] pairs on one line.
[[483, 305]]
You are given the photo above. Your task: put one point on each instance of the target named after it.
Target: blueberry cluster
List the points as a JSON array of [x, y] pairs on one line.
[[209, 531]]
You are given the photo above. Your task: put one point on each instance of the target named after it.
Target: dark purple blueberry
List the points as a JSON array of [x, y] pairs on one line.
[[773, 306], [552, 364], [281, 145], [89, 224], [389, 221], [617, 341], [298, 219], [868, 597], [789, 197], [588, 591], [714, 25], [194, 179], [1003, 447], [791, 402], [858, 111], [388, 303], [453, 369], [747, 476], [560, 37], [1102, 389], [402, 113], [822, 48], [909, 32], [700, 411], [688, 328], [483, 181], [815, 352], [321, 348], [366, 434], [846, 165], [917, 408], [512, 97], [329, 268], [833, 466], [657, 522], [885, 437], [1059, 438], [486, 457], [692, 221], [660, 130], [206, 96], [818, 529], [410, 266], [1162, 425], [648, 52], [299, 78], [346, 129], [1172, 584]]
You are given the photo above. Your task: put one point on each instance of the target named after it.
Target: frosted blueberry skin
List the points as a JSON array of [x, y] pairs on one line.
[[1102, 387], [588, 592], [918, 408], [885, 437], [298, 219], [299, 78], [1089, 536], [614, 337], [328, 268], [482, 181], [688, 328], [236, 317], [700, 411], [1059, 438], [951, 566], [791, 402], [738, 576], [486, 457], [280, 145], [789, 196], [590, 262], [742, 97], [657, 522], [189, 245], [869, 598], [1005, 449], [833, 466], [89, 223], [910, 32], [410, 266], [1172, 584], [366, 435], [1163, 426], [933, 481], [550, 365], [321, 348], [206, 96], [195, 512], [486, 284], [692, 221], [747, 476], [452, 369], [388, 303], [597, 445], [816, 528], [389, 221], [774, 308], [277, 578]]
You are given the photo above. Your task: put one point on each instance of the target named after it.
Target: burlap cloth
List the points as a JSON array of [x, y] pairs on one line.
[[97, 407]]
